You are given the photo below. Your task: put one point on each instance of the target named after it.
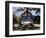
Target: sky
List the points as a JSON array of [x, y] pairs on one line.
[[18, 13]]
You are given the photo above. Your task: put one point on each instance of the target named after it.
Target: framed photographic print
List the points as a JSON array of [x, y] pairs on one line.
[[24, 18]]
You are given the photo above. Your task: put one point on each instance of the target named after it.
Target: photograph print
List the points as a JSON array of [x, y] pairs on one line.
[[24, 18]]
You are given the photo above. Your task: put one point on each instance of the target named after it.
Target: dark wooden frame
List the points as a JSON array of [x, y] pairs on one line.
[[7, 18]]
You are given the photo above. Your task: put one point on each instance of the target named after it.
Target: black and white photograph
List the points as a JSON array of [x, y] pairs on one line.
[[24, 18]]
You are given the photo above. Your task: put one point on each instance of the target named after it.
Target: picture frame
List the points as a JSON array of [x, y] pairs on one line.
[[9, 27]]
